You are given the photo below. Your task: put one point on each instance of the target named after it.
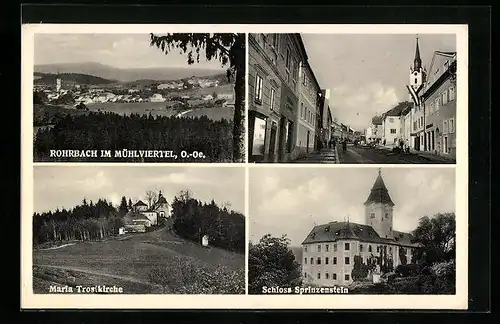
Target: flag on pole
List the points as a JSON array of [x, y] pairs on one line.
[[413, 95]]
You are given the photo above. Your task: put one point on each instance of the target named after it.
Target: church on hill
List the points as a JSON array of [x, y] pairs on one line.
[[328, 251], [140, 217]]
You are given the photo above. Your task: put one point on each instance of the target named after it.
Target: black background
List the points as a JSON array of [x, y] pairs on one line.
[[479, 20]]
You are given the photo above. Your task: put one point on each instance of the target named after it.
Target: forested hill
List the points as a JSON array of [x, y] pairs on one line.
[[77, 78]]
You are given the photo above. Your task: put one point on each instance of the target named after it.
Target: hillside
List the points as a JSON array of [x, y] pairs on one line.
[[141, 261], [76, 78], [127, 75]]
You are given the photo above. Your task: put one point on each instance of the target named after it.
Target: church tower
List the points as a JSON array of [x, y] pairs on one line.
[[379, 209], [417, 72], [162, 206]]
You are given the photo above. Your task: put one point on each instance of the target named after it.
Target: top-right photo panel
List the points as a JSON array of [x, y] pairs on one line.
[[352, 98]]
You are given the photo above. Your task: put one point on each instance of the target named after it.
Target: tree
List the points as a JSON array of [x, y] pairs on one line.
[[123, 208], [360, 269], [402, 255], [437, 236], [226, 48], [214, 95], [272, 263], [130, 204], [151, 197]]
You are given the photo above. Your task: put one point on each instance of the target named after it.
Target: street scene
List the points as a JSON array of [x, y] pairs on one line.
[[345, 98]]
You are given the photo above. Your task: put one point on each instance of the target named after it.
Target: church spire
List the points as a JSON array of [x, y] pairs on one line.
[[417, 62], [379, 192]]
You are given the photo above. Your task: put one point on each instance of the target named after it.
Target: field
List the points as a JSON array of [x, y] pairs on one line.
[[154, 262]]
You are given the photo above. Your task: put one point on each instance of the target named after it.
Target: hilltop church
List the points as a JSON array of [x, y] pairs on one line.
[[141, 216], [329, 249]]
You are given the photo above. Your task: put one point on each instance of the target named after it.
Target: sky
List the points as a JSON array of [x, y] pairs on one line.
[[367, 74], [66, 186], [116, 50], [292, 200]]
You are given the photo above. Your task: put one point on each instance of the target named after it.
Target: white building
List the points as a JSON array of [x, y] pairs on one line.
[[391, 127], [157, 98], [328, 251]]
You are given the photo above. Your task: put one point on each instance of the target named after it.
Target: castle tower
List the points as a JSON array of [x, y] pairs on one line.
[[417, 72], [379, 209]]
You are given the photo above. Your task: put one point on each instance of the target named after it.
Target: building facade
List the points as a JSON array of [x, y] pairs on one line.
[[328, 251], [273, 86], [417, 79], [391, 127], [405, 125], [439, 104], [308, 101]]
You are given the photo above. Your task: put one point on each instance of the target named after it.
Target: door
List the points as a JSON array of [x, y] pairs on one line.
[[272, 142], [307, 142], [281, 141]]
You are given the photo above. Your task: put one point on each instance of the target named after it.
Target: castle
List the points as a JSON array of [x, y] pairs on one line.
[[329, 249]]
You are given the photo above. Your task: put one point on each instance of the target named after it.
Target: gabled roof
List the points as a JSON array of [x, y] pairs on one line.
[[161, 199], [140, 203], [379, 192], [334, 231]]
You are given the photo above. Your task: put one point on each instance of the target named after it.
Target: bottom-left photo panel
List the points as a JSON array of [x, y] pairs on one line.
[[136, 229]]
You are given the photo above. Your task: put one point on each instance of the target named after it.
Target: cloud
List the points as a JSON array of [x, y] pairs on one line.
[[94, 183]]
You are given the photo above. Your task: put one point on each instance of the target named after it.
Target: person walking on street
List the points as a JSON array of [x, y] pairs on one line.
[[344, 145]]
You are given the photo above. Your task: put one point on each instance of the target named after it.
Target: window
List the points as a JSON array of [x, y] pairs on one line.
[[327, 276], [276, 41], [302, 111], [305, 274], [334, 276], [319, 248], [287, 58], [346, 260], [305, 260], [334, 260], [334, 247], [438, 99], [289, 136], [305, 248], [386, 215], [451, 125], [444, 96], [346, 246], [312, 260], [346, 277], [416, 80], [304, 79], [445, 127], [326, 260], [378, 249], [393, 131], [391, 120], [361, 248], [452, 93], [273, 95], [295, 70], [327, 247], [258, 89], [369, 248], [390, 249], [319, 275], [318, 260]]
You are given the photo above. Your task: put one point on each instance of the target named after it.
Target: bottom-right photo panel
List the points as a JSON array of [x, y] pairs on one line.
[[352, 230]]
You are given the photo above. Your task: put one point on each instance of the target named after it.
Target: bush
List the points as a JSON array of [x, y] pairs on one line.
[[406, 270], [185, 276]]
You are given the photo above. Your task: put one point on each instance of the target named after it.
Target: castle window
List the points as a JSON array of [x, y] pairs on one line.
[[305, 274], [326, 260], [346, 246], [318, 260], [327, 276], [334, 260], [335, 247], [334, 276], [346, 260], [361, 248], [378, 249], [346, 277], [372, 215], [319, 248], [305, 260], [390, 249], [327, 247], [369, 248], [312, 260], [319, 275]]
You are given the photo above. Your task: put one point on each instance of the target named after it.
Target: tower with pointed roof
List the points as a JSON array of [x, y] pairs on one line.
[[162, 207], [417, 72], [379, 209]]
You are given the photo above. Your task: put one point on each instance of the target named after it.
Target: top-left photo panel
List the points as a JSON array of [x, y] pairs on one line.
[[138, 97]]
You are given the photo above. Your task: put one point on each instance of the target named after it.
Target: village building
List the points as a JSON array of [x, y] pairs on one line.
[[157, 98], [329, 249]]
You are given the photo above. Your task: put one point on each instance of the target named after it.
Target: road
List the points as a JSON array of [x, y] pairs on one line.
[[357, 155]]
